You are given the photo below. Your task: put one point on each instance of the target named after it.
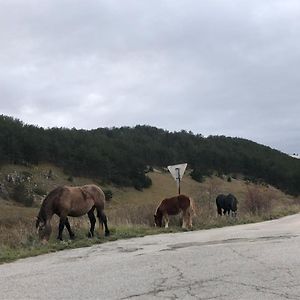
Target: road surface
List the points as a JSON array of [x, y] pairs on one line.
[[254, 261]]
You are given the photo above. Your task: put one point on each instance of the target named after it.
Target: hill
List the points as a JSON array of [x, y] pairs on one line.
[[123, 156]]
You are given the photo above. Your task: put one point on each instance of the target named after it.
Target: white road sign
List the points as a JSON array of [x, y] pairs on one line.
[[177, 172]]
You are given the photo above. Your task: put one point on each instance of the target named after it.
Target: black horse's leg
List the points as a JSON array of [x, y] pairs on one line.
[[93, 222], [103, 220], [61, 228], [219, 210], [71, 233]]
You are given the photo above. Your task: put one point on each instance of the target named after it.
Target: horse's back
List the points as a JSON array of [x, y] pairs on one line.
[[78, 200], [220, 200], [174, 205], [184, 202], [233, 202], [227, 202]]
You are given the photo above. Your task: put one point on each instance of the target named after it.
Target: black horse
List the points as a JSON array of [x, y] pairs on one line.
[[227, 203]]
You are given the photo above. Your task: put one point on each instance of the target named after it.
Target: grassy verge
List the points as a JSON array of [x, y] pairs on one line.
[[29, 245], [33, 247]]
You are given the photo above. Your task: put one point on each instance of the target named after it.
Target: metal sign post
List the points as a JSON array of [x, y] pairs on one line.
[[177, 172], [178, 179]]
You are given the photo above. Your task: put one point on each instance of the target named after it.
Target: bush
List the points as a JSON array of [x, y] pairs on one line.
[[70, 178], [39, 191], [22, 195], [198, 175], [257, 201], [108, 194], [26, 174], [141, 182]]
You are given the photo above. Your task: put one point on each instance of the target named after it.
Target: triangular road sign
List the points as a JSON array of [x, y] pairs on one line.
[[177, 171]]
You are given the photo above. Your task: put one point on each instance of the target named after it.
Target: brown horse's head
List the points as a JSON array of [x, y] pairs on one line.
[[43, 229], [158, 220]]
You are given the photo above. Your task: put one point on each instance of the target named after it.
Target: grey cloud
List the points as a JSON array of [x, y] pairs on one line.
[[213, 67]]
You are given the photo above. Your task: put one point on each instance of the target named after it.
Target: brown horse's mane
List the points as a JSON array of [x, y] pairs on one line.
[[158, 212], [47, 203]]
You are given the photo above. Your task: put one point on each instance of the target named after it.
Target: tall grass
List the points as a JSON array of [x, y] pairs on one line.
[[130, 214]]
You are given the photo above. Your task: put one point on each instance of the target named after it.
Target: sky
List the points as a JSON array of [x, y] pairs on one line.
[[211, 67]]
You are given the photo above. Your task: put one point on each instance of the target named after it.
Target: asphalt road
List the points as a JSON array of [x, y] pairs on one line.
[[256, 261]]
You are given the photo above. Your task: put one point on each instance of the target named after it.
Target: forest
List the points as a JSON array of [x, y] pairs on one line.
[[123, 156]]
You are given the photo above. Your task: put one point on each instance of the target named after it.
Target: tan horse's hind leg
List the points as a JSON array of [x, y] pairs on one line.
[[166, 218], [187, 221], [191, 213], [184, 218]]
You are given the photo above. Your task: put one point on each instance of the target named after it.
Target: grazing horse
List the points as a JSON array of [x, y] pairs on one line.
[[227, 203], [173, 206], [71, 201]]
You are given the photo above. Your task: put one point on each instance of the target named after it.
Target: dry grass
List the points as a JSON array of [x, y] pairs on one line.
[[130, 212]]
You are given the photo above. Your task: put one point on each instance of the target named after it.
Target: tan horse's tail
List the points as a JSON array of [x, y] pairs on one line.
[[189, 214], [192, 207]]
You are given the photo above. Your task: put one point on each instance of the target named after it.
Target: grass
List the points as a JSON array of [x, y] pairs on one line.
[[130, 212], [31, 246]]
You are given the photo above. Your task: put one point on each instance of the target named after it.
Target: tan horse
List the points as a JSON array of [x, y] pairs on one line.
[[71, 201], [173, 206]]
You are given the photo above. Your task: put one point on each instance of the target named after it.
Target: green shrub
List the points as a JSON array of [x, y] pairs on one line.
[[108, 194], [26, 174], [39, 191], [198, 175], [22, 195], [141, 182], [70, 178]]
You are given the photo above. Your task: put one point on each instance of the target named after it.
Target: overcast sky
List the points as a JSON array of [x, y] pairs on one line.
[[211, 67]]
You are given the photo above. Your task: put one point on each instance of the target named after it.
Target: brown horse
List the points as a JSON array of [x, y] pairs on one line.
[[71, 201], [173, 206]]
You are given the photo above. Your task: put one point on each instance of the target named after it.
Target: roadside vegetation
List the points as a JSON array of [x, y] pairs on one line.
[[130, 211], [129, 163]]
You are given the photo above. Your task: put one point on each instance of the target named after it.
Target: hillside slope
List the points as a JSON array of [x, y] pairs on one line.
[[130, 206], [122, 155], [130, 212]]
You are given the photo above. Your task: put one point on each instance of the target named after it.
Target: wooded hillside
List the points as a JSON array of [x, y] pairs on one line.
[[123, 155]]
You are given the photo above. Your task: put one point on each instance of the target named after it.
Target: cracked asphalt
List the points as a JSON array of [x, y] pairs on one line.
[[254, 261]]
